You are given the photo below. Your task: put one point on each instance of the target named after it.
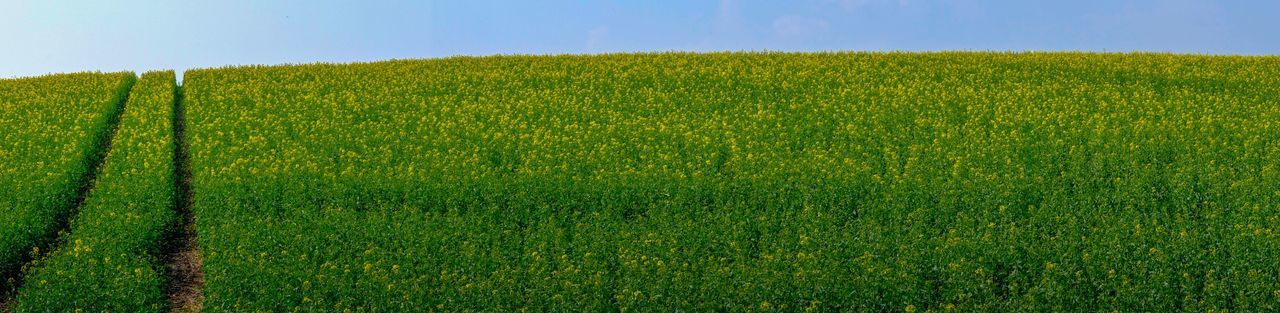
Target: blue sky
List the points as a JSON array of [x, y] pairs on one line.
[[62, 36]]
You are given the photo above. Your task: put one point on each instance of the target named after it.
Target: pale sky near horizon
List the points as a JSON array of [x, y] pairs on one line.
[[41, 37]]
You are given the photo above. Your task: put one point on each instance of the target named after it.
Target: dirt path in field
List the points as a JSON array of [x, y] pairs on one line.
[[62, 222], [182, 253]]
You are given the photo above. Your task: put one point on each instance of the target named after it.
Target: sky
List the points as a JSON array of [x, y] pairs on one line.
[[52, 36]]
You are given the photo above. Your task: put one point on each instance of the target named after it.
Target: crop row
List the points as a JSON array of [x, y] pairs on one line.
[[51, 132]]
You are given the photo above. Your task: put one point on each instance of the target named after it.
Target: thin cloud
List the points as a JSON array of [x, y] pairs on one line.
[[850, 5], [795, 26], [595, 37], [728, 30], [728, 17]]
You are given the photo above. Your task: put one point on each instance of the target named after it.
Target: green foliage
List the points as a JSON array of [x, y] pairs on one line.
[[748, 181], [663, 182], [51, 128], [109, 260]]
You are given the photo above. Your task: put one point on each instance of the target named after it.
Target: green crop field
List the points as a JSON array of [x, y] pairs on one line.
[[951, 181]]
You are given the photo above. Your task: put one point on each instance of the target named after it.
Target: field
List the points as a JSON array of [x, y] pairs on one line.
[[954, 181], [654, 182]]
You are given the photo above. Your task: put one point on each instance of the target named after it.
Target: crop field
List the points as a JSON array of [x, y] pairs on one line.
[[950, 181], [655, 182]]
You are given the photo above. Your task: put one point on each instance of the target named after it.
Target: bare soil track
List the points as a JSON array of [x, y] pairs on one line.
[[181, 249]]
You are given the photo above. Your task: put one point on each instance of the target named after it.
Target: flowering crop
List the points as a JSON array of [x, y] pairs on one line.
[[747, 181], [108, 261], [51, 129]]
